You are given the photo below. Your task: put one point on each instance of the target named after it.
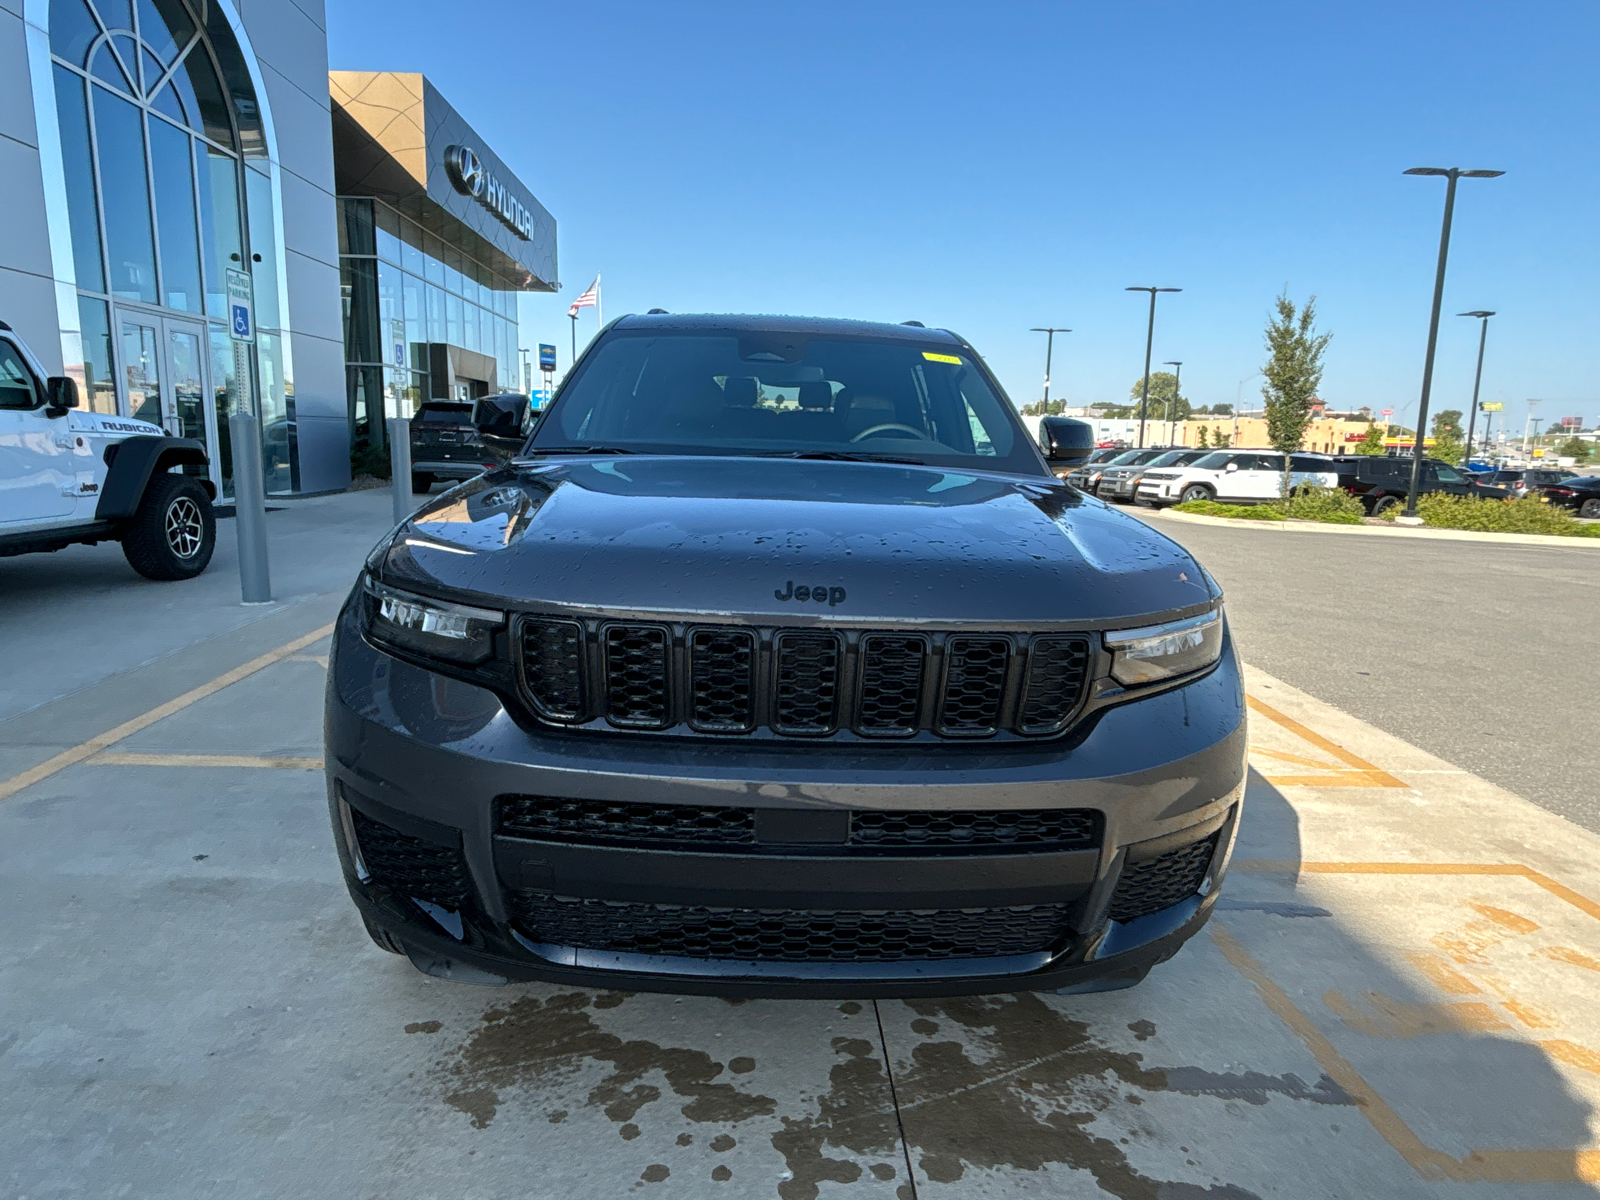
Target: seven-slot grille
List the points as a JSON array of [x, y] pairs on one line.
[[714, 828], [800, 683]]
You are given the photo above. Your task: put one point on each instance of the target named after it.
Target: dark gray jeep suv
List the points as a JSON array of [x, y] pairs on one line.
[[780, 663]]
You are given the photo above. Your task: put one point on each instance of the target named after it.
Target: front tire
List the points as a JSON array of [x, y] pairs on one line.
[[174, 532], [1195, 491], [1383, 504], [421, 484]]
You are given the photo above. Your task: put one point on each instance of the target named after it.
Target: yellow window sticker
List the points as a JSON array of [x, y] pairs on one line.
[[949, 358]]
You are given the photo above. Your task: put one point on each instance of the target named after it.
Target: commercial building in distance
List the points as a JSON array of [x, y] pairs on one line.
[[157, 152]]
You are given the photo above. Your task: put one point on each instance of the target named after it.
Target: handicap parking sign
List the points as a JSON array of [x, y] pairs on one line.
[[241, 315]]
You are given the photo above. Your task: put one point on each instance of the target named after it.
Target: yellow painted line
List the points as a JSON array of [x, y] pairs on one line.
[[102, 741], [1373, 776], [320, 659], [280, 762], [1560, 890], [1480, 1166]]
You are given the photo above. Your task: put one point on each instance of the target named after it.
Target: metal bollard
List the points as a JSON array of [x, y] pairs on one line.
[[250, 507], [400, 466]]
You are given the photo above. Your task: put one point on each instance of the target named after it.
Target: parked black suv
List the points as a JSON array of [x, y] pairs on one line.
[[1382, 482], [459, 439], [780, 663]]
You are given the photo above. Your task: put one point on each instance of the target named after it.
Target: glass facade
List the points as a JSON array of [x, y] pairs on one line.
[[412, 304], [168, 187]]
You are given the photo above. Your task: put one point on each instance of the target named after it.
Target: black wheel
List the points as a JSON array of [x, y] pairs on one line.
[[1383, 504], [421, 483], [174, 531], [1589, 508], [382, 937], [1195, 491]]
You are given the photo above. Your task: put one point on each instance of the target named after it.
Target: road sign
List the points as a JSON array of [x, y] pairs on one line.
[[547, 357], [241, 307], [1492, 406], [397, 337]]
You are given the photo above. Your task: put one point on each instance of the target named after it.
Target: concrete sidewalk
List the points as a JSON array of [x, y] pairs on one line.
[[1398, 998]]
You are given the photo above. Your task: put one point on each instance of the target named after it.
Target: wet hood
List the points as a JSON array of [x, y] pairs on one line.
[[790, 539]]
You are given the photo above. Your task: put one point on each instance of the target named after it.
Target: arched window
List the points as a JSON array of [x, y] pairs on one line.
[[150, 151]]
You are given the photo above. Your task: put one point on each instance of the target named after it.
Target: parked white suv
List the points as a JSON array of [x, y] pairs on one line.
[[69, 476], [1235, 477]]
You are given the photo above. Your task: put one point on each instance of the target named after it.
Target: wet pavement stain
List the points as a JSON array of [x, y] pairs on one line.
[[854, 1115], [1042, 1081], [522, 1043]]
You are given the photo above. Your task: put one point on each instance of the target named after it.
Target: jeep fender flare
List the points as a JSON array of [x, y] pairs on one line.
[[131, 462]]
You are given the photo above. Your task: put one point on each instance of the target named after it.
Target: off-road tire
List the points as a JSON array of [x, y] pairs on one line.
[[382, 937], [1383, 504], [174, 532], [1589, 508], [421, 484], [1195, 491]]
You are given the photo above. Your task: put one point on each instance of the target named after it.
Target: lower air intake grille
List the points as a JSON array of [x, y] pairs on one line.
[[602, 822], [788, 935], [636, 675], [1157, 883], [1044, 830], [410, 866]]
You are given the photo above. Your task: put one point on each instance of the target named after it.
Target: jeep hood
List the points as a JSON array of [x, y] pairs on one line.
[[746, 537]]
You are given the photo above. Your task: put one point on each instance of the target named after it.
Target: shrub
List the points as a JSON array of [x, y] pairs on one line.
[[370, 460], [1331, 505], [1527, 515], [1243, 512]]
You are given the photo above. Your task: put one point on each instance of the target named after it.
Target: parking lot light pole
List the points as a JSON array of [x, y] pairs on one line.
[[1451, 174], [1172, 407], [1483, 336], [1149, 339], [1050, 332]]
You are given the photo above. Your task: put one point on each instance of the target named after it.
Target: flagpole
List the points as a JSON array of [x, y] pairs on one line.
[[599, 313], [574, 316]]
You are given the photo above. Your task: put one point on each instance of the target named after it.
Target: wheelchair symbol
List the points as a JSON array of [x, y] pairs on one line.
[[241, 321]]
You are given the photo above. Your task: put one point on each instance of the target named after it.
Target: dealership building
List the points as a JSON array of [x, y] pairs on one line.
[[166, 161]]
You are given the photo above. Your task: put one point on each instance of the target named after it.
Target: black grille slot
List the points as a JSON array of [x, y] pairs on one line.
[[722, 677], [1157, 883], [552, 667], [974, 685], [636, 675], [891, 684], [789, 935], [807, 678], [1039, 831], [603, 822], [1058, 668], [411, 866]]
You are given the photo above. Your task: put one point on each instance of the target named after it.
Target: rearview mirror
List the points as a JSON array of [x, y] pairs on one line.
[[1065, 442], [61, 393]]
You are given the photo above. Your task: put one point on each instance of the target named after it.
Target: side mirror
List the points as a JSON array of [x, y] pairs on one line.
[[61, 393], [1232, 466], [1065, 442]]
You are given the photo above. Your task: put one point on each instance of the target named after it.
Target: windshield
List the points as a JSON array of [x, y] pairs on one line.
[[1126, 458], [1168, 459], [761, 394]]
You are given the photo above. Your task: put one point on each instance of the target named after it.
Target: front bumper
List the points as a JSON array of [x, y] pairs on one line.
[[420, 760], [447, 468]]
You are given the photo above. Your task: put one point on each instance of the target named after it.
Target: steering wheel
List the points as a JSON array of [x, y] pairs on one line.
[[874, 429]]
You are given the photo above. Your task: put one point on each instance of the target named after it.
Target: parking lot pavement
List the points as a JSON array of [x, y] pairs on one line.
[[1398, 997], [1479, 653]]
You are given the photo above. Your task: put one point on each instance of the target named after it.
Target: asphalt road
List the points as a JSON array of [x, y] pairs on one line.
[[1482, 654]]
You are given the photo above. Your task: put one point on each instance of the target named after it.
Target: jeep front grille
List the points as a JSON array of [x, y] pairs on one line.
[[796, 683]]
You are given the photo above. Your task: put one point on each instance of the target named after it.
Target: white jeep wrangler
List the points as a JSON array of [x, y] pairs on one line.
[[69, 476]]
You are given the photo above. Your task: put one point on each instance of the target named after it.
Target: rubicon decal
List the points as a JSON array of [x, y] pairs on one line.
[[822, 594]]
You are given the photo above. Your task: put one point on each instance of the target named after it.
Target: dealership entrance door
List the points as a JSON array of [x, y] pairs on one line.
[[164, 377]]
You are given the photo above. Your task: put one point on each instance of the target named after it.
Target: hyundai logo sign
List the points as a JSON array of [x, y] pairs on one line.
[[467, 176]]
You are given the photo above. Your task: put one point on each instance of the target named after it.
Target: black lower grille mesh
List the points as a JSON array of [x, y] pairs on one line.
[[788, 935], [1043, 830], [1157, 883], [411, 866], [603, 822], [891, 683]]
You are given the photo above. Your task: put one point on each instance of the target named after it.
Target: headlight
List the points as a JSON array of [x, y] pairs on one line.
[[1159, 652], [431, 627]]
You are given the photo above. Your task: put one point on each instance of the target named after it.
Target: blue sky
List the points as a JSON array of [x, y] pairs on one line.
[[987, 168]]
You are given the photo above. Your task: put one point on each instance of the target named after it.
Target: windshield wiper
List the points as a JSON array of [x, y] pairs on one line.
[[842, 456], [581, 450]]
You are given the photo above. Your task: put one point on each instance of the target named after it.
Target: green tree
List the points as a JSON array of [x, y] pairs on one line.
[[1293, 372], [1222, 410], [1163, 393], [1202, 439], [1449, 419], [1372, 443], [1219, 439], [1202, 411], [1575, 449]]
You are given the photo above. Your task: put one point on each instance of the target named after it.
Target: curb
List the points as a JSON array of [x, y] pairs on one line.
[[1438, 535]]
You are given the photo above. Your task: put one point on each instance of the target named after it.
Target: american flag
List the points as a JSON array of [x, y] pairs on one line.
[[588, 300]]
